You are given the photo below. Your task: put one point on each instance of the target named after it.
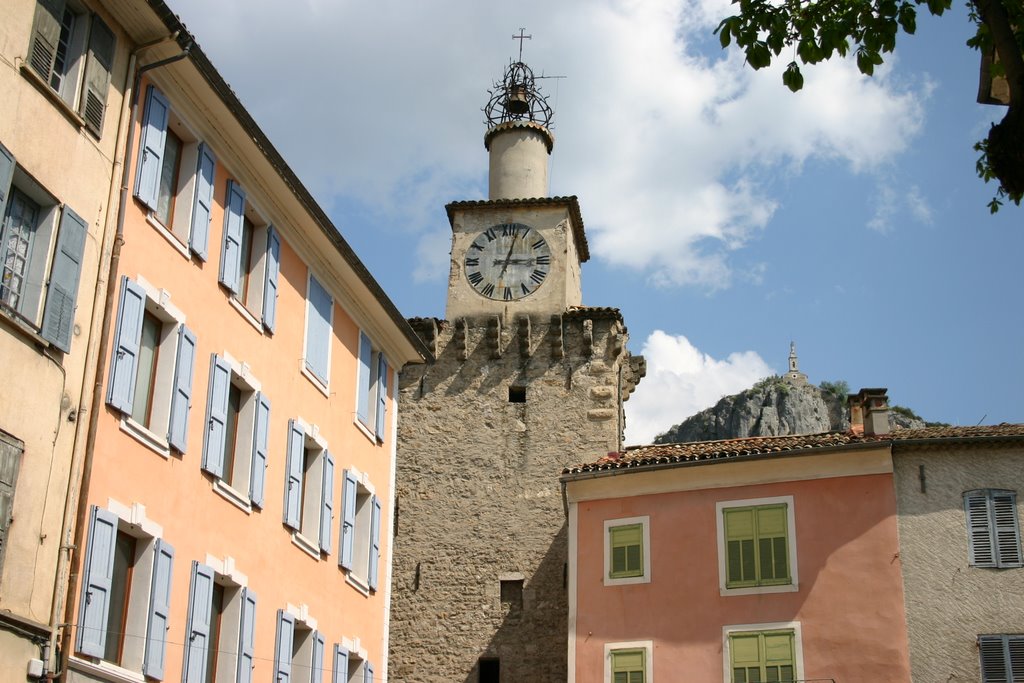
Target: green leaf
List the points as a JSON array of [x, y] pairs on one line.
[[908, 18], [792, 78], [758, 55], [724, 37], [865, 62]]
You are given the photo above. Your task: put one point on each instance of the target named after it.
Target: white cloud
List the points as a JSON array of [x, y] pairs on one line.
[[681, 380]]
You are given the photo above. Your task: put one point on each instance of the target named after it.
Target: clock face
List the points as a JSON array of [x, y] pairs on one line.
[[507, 262]]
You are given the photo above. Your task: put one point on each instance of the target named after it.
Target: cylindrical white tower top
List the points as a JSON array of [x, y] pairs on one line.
[[519, 152]]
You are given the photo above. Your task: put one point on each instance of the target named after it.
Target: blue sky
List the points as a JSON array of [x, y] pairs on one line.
[[725, 215]]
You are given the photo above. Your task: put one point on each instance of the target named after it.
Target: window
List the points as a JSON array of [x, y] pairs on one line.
[[38, 274], [511, 596], [298, 650], [237, 431], [626, 551], [11, 450], [309, 493], [72, 51], [152, 366], [220, 632], [319, 321], [372, 387], [125, 599], [175, 176], [1002, 658], [628, 662], [360, 530], [993, 533], [762, 656], [490, 669], [250, 258], [351, 667], [757, 546]]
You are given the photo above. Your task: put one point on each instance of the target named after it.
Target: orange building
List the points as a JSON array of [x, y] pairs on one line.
[[757, 559], [236, 510]]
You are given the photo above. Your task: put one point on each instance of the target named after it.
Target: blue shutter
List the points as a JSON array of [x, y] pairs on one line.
[[96, 583], [283, 647], [260, 447], [197, 628], [151, 146], [247, 638], [1007, 531], [6, 177], [128, 336], [270, 281], [293, 483], [318, 330], [231, 248], [62, 292], [202, 202], [382, 395], [348, 519], [181, 399], [363, 379], [159, 611], [367, 672], [327, 502], [340, 664], [216, 416], [371, 577], [316, 668]]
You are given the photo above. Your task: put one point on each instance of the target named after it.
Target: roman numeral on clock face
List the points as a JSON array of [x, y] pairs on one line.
[[475, 277], [544, 260], [538, 276], [490, 234], [488, 289], [510, 229], [472, 262], [508, 294]]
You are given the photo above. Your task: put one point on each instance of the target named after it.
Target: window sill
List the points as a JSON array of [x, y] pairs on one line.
[[306, 545], [366, 431], [759, 590], [626, 580], [149, 439], [245, 313], [357, 583], [44, 87], [105, 671], [22, 326], [171, 238], [234, 497], [316, 381]]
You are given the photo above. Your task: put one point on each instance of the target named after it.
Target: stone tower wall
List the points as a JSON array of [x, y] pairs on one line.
[[478, 494]]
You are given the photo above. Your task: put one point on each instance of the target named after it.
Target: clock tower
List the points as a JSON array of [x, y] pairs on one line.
[[526, 381]]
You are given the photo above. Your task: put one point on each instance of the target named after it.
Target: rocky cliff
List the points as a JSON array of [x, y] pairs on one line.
[[775, 407]]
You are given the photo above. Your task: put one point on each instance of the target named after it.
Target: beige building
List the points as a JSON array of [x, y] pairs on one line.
[[63, 67]]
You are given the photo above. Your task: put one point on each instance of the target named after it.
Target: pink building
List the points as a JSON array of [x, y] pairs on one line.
[[758, 559], [235, 519]]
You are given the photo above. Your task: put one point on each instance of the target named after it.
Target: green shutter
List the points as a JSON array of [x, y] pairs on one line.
[[763, 656], [757, 546], [629, 666], [626, 544]]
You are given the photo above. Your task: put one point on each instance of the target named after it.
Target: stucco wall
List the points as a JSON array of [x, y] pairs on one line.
[[948, 602]]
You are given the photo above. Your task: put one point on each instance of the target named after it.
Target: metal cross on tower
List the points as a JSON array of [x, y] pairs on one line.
[[521, 37]]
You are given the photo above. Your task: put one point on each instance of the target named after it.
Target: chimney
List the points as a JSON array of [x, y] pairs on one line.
[[856, 413], [870, 407]]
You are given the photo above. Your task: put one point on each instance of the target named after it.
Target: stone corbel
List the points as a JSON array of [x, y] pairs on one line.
[[557, 343], [494, 336], [460, 339], [525, 346]]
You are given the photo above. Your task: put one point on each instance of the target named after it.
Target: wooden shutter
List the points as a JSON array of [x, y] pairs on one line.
[[778, 655], [1007, 531], [995, 661], [980, 536], [45, 36], [97, 75], [247, 637], [293, 483], [151, 147], [7, 165], [202, 202], [363, 379], [270, 281], [11, 450], [216, 416], [371, 574], [283, 647], [97, 582], [627, 548], [197, 628], [128, 336], [231, 247], [382, 395], [260, 449], [62, 292], [159, 611], [340, 664], [772, 544], [326, 502], [318, 330], [348, 519], [316, 667], [181, 399], [739, 544], [367, 672]]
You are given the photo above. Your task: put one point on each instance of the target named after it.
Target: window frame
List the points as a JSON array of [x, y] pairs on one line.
[[645, 549], [310, 652], [359, 554], [792, 627], [624, 646], [259, 269], [791, 546], [312, 494], [314, 325], [373, 381], [984, 528], [235, 644]]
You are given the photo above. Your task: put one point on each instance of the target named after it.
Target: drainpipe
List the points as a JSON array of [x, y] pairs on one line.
[[69, 562]]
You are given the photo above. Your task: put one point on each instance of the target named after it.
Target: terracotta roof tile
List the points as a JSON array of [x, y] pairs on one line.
[[663, 454]]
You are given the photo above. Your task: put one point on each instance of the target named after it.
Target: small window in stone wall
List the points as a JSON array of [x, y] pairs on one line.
[[517, 394], [512, 597], [490, 670]]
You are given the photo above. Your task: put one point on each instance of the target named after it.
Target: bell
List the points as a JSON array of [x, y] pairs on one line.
[[517, 102]]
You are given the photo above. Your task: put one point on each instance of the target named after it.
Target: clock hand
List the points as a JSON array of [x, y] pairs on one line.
[[508, 256]]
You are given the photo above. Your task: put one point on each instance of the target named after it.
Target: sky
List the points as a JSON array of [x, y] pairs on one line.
[[726, 216]]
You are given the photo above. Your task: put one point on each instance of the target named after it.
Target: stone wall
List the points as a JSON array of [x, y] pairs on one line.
[[483, 434], [948, 602]]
